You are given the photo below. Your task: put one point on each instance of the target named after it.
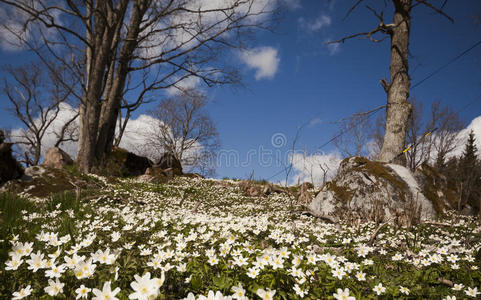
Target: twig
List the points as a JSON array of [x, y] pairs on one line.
[[446, 282], [352, 9], [439, 11], [330, 219], [374, 235], [77, 191], [196, 207], [434, 223]]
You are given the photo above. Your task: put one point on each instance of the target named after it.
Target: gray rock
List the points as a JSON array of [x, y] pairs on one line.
[[370, 190], [169, 161], [9, 167], [57, 158], [35, 171]]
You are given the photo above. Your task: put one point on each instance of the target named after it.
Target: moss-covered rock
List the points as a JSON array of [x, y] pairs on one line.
[[371, 190], [155, 175], [436, 188], [40, 181], [122, 163], [169, 161]]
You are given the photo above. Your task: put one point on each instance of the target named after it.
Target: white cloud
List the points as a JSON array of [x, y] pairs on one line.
[[13, 32], [49, 139], [316, 24], [321, 21], [139, 136], [333, 48], [185, 84], [136, 132], [310, 167], [461, 139], [264, 60], [11, 29], [189, 28], [135, 139], [314, 121]]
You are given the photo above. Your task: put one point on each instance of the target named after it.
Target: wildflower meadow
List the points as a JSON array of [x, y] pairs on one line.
[[196, 238]]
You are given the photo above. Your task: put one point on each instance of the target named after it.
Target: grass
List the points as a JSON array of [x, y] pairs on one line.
[[11, 207]]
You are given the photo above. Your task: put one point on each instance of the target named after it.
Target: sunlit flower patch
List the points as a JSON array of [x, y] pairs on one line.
[[203, 239]]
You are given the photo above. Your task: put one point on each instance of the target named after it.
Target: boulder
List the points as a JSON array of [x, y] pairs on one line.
[[122, 163], [41, 181], [253, 191], [57, 158], [35, 171], [374, 191], [9, 167], [436, 188], [155, 175], [169, 161]]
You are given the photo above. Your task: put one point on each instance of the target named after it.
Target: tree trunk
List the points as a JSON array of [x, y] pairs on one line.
[[89, 113], [111, 111], [398, 108], [101, 41]]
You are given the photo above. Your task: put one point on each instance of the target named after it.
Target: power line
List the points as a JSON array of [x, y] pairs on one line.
[[370, 113], [366, 116], [342, 132], [447, 64]]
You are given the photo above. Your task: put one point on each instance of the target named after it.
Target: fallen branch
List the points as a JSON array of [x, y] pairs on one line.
[[77, 190], [376, 232], [329, 219], [435, 223], [196, 207], [446, 282]]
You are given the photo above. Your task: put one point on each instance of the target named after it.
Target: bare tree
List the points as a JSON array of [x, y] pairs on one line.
[[356, 129], [171, 40], [434, 140], [36, 97], [446, 138], [325, 170], [376, 137], [397, 89], [186, 131]]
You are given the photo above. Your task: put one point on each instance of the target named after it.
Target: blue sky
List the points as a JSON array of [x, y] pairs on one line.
[[309, 82]]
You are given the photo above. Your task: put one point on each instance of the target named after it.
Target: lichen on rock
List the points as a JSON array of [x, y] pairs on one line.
[[374, 191]]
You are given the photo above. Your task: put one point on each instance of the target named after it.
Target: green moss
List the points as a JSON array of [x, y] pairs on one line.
[[430, 188], [51, 182], [379, 170], [342, 193], [56, 181], [432, 185], [122, 163], [73, 170], [431, 194]]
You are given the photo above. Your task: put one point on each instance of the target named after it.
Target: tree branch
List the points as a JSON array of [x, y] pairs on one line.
[[438, 10]]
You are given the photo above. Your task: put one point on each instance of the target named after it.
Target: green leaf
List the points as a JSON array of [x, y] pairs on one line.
[[196, 282]]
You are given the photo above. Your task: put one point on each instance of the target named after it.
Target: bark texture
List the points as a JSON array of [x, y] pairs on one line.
[[398, 108], [106, 20], [109, 115]]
